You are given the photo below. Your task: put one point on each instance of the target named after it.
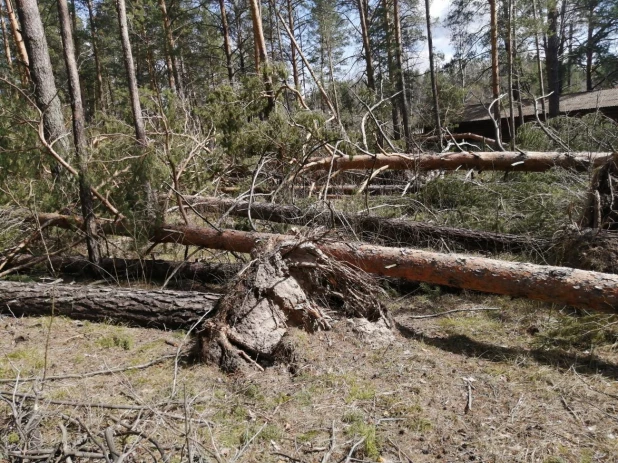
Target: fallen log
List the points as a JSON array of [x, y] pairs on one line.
[[560, 285], [122, 269], [390, 232], [152, 308], [498, 160]]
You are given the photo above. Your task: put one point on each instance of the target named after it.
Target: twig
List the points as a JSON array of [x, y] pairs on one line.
[[246, 446], [468, 406], [353, 449], [448, 312], [332, 444], [93, 373]]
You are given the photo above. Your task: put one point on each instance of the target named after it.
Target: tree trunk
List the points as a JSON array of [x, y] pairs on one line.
[[509, 57], [392, 70], [19, 43], [136, 269], [539, 66], [262, 54], [5, 41], [401, 84], [362, 10], [292, 47], [175, 81], [432, 72], [41, 72], [559, 285], [98, 90], [227, 49], [495, 69], [136, 107], [494, 160], [135, 307], [390, 232], [79, 133], [589, 47], [552, 59]]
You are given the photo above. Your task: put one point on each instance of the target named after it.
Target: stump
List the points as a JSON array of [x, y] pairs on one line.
[[287, 284]]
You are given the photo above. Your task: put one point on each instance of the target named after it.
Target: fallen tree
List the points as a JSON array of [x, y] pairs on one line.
[[122, 269], [495, 160], [391, 232], [152, 308], [560, 285]]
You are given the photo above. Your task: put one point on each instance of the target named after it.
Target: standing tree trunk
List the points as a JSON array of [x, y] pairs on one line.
[[136, 107], [401, 83], [589, 46], [79, 133], [392, 69], [240, 41], [170, 46], [293, 48], [19, 44], [98, 89], [495, 69], [509, 57], [539, 65], [362, 14], [432, 71], [552, 59], [5, 41], [41, 72], [227, 49], [262, 54]]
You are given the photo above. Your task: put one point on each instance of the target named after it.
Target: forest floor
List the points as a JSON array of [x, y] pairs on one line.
[[525, 383]]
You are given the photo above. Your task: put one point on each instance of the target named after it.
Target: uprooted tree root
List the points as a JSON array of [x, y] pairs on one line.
[[291, 284]]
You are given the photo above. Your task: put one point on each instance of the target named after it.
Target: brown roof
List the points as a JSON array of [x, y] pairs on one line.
[[571, 102]]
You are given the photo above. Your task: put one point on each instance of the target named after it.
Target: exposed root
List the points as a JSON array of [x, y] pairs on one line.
[[286, 284]]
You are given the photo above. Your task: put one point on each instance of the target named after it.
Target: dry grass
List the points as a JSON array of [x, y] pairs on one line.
[[532, 401]]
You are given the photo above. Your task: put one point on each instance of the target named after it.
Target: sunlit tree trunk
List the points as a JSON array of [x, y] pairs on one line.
[[41, 72], [539, 65], [392, 69], [170, 46], [552, 58], [432, 71], [24, 61], [293, 48], [401, 84], [495, 68], [79, 133], [509, 57], [362, 14], [262, 54]]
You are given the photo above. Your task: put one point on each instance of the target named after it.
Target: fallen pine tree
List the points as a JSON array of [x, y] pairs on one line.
[[495, 160], [390, 232], [147, 308], [560, 285]]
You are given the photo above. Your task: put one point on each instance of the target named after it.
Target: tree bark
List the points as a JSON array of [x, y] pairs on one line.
[[136, 107], [392, 69], [41, 72], [19, 43], [495, 69], [552, 59], [227, 49], [262, 54], [509, 57], [174, 76], [79, 133], [539, 66], [390, 232], [135, 307], [559, 285], [132, 269], [362, 10], [494, 160], [432, 72], [292, 47], [401, 83], [5, 41], [98, 90]]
